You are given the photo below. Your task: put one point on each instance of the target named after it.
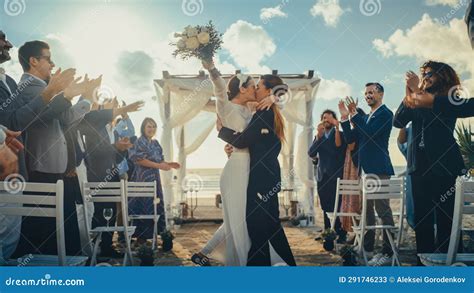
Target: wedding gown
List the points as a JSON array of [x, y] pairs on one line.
[[231, 242]]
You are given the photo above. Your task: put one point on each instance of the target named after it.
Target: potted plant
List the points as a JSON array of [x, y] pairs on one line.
[[145, 254], [329, 236], [348, 255], [295, 221], [466, 146], [303, 220], [167, 240]]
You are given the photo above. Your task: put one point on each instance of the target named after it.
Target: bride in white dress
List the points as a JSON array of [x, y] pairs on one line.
[[235, 105]]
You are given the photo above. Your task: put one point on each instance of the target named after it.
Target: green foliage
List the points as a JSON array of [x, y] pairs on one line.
[[466, 145]]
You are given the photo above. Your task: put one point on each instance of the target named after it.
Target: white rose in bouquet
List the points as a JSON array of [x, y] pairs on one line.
[[192, 43], [203, 38], [191, 32]]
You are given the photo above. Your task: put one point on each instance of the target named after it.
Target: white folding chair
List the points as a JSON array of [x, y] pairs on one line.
[[52, 206], [144, 190], [345, 187], [379, 189], [108, 192], [463, 205]]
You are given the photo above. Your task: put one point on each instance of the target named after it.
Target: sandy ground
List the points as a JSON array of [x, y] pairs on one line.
[[191, 237]]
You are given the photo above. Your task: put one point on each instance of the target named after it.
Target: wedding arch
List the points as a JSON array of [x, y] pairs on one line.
[[187, 111]]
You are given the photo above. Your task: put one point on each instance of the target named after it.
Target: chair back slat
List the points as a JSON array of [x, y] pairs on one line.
[[103, 198], [468, 210], [31, 187], [375, 196], [27, 199], [102, 185], [141, 189], [140, 194], [28, 211], [95, 192]]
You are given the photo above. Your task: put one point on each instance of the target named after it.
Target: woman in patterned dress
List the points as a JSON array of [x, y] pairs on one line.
[[147, 155]]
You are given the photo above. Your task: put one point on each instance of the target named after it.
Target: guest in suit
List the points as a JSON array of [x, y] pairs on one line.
[[263, 136], [372, 132], [434, 159], [17, 113], [330, 147], [45, 141], [104, 151]]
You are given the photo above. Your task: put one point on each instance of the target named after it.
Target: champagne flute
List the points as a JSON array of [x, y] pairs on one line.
[[107, 213]]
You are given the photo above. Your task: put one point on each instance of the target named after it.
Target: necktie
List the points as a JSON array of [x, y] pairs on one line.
[[3, 78]]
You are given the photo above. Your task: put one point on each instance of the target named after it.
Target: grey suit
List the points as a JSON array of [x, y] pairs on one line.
[[17, 113], [45, 142]]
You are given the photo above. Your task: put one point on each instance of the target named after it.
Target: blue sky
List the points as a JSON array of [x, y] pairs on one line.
[[340, 40]]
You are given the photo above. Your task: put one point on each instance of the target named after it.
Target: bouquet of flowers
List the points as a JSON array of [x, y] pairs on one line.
[[199, 41]]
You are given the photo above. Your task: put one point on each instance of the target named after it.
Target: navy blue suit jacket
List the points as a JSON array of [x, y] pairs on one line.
[[372, 137], [331, 158]]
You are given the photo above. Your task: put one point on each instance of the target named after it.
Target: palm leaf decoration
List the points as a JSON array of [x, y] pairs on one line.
[[466, 145]]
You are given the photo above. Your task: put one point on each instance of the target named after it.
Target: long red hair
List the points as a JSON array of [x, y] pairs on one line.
[[278, 88]]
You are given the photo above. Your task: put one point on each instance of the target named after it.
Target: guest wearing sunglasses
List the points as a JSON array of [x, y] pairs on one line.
[[435, 159]]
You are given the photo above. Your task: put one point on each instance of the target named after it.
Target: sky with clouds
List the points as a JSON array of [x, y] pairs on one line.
[[347, 42]]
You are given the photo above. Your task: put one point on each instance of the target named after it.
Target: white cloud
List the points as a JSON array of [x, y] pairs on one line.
[[330, 10], [431, 40], [249, 45], [331, 89], [271, 12], [451, 3]]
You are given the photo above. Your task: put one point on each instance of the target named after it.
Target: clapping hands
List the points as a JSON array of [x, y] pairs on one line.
[[412, 82], [58, 82], [347, 107]]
